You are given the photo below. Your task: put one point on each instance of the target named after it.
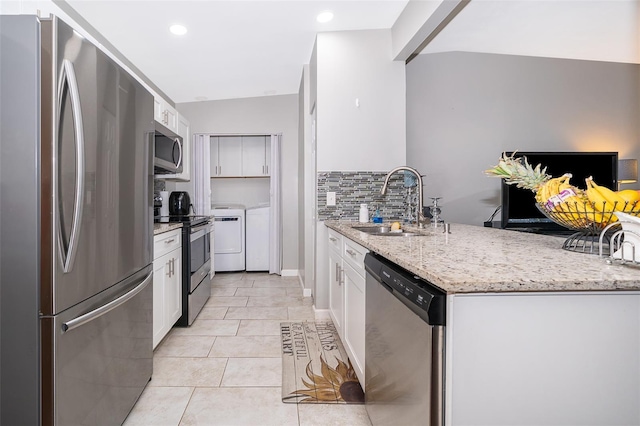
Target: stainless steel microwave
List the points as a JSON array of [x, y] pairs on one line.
[[168, 156]]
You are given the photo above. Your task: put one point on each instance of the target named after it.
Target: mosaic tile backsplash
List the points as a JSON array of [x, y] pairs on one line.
[[159, 185], [362, 187]]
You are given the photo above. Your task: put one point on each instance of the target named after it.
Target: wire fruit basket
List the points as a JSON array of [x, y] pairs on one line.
[[587, 221]]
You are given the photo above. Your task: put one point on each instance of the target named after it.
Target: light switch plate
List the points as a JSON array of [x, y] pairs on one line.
[[331, 198]]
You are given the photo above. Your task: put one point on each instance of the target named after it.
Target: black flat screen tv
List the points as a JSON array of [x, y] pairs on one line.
[[519, 209]]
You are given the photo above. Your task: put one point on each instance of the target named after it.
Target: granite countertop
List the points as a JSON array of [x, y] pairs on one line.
[[159, 228], [475, 259]]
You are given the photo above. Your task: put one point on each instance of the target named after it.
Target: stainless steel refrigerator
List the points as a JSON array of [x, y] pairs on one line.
[[76, 229]]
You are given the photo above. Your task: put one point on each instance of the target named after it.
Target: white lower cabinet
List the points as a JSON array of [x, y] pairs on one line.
[[347, 297], [336, 292], [167, 283], [354, 302]]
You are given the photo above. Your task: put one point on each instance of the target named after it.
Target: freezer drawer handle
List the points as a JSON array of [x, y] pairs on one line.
[[90, 316]]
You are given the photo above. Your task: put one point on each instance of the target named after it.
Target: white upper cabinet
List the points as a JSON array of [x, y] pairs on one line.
[[165, 114], [226, 156], [254, 156], [240, 156]]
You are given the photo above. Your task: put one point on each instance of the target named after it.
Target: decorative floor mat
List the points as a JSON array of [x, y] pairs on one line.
[[315, 366]]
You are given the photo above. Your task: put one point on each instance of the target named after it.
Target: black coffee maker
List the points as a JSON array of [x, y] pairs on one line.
[[179, 203]]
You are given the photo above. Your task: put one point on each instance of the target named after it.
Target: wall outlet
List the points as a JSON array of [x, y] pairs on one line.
[[331, 198]]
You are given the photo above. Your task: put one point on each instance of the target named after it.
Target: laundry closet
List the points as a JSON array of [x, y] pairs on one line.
[[241, 195]]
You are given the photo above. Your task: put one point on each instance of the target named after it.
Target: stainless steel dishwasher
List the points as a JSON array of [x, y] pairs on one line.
[[404, 341]]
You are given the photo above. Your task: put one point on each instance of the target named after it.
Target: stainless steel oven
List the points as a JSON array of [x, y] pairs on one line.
[[196, 255], [200, 261]]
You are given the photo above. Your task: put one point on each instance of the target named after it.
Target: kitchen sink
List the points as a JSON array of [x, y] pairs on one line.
[[383, 231], [373, 229]]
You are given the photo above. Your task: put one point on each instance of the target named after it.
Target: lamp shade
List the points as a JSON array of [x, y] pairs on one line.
[[627, 171]]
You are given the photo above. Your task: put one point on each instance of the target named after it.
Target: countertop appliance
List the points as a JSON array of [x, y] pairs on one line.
[[196, 264], [257, 238], [404, 343], [179, 203], [76, 247], [167, 151], [229, 237]]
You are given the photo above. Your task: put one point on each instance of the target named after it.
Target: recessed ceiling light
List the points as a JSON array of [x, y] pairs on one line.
[[201, 98], [325, 16], [178, 29]]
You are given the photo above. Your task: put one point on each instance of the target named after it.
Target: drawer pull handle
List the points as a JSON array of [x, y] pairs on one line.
[[169, 241], [333, 239], [351, 252]]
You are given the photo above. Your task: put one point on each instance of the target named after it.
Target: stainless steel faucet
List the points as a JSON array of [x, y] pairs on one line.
[[420, 219]]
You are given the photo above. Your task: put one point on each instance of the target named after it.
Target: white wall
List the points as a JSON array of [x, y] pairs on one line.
[[302, 113], [464, 109], [352, 66], [357, 65], [246, 191], [264, 115], [598, 30], [310, 181]]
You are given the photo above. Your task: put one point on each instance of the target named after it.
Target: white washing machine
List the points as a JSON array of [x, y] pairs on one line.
[[229, 237], [258, 238]]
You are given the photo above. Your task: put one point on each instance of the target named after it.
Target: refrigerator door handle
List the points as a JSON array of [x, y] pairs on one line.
[[68, 77], [96, 313]]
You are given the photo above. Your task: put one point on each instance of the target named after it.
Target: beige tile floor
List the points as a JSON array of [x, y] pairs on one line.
[[226, 368]]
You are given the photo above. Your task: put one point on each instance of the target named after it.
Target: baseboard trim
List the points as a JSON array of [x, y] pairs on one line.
[[321, 313], [289, 273]]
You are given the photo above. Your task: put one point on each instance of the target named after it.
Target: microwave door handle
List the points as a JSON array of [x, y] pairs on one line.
[[68, 77], [177, 142]]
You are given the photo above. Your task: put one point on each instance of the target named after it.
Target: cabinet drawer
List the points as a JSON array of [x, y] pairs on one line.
[[335, 240], [353, 253], [164, 243]]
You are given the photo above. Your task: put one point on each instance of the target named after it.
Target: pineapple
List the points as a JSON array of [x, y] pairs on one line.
[[518, 171]]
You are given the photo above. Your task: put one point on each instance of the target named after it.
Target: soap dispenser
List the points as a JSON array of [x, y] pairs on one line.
[[377, 217], [364, 213]]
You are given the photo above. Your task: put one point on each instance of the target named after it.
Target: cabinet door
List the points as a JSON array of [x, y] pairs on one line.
[[158, 110], [354, 328], [161, 274], [171, 116], [214, 163], [267, 155], [165, 114], [173, 291], [253, 156], [336, 294], [230, 156]]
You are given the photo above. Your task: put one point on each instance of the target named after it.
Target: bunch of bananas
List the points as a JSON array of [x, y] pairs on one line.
[[606, 201], [567, 202], [571, 206]]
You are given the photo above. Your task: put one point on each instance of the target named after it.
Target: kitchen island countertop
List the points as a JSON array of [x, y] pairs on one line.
[[473, 259], [160, 228]]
